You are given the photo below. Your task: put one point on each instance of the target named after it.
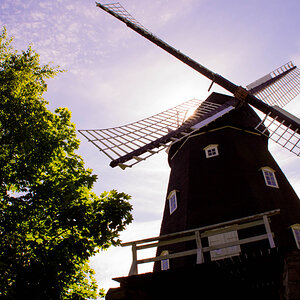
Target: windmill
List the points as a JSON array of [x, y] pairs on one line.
[[130, 144], [221, 169]]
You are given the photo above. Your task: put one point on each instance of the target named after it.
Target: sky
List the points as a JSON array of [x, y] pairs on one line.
[[114, 77]]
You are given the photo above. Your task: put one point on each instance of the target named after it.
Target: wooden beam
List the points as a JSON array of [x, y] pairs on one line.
[[205, 228], [200, 257], [269, 232], [168, 242], [134, 267], [205, 249]]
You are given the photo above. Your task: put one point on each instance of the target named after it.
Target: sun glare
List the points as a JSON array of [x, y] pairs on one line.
[[189, 113]]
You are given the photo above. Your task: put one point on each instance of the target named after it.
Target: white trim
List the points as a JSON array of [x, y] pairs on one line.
[[212, 118], [259, 82]]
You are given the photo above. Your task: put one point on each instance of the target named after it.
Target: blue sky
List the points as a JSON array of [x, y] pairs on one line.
[[114, 77]]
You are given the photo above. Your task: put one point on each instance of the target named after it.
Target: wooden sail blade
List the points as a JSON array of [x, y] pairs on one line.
[[281, 132], [137, 141], [278, 87], [119, 141], [199, 120]]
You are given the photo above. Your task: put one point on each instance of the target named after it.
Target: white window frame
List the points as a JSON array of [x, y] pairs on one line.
[[172, 197], [269, 176], [211, 150], [296, 232], [164, 263]]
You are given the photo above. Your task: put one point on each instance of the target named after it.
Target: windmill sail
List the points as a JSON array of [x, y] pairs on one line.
[[278, 87], [137, 141], [120, 141], [281, 132]]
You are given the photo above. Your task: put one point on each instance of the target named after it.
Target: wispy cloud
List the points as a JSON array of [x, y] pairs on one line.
[[61, 31]]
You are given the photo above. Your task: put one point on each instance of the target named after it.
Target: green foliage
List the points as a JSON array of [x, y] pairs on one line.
[[50, 221]]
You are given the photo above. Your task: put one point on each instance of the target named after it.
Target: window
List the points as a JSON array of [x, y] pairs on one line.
[[211, 150], [296, 232], [222, 238], [172, 201], [164, 263], [269, 176]]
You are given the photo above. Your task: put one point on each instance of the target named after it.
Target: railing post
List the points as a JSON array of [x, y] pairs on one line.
[[200, 257], [134, 267], [269, 232]]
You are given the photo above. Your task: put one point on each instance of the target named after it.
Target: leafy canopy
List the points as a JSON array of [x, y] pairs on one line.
[[50, 221]]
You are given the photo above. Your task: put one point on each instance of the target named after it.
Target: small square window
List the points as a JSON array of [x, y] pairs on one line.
[[296, 232], [211, 151], [269, 176], [172, 201]]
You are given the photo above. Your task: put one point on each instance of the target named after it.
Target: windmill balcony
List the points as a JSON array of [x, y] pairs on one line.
[[220, 269], [206, 246]]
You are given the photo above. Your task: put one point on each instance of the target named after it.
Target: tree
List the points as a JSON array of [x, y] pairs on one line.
[[50, 220]]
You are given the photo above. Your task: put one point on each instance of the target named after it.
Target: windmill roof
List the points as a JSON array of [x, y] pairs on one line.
[[243, 116]]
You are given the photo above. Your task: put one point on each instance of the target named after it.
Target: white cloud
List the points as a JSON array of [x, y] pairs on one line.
[[58, 31]]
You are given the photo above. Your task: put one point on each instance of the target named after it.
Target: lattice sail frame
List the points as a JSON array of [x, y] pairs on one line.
[[119, 141], [121, 11], [278, 87], [281, 133]]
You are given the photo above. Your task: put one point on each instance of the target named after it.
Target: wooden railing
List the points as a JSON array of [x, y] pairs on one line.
[[202, 232]]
